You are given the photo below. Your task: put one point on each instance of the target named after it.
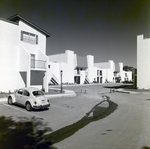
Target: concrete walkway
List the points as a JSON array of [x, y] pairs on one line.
[[68, 93]]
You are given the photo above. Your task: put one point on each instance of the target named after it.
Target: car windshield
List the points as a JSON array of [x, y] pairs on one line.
[[37, 93]]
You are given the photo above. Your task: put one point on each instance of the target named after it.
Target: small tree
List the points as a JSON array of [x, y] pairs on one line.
[[25, 134], [128, 68]]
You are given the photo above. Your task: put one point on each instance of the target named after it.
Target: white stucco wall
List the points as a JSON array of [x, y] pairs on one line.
[[39, 50], [82, 76], [108, 70], [129, 74], [54, 70], [104, 75], [68, 73], [9, 47], [143, 62], [92, 71], [32, 48], [64, 62], [15, 55], [92, 74], [9, 57]]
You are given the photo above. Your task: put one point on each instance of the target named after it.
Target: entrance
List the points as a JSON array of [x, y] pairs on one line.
[[77, 79], [101, 80], [97, 79]]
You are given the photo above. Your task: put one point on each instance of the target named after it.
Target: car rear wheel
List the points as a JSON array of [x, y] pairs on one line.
[[28, 106], [10, 101]]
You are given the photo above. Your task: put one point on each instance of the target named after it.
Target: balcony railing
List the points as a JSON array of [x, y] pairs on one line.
[[38, 64]]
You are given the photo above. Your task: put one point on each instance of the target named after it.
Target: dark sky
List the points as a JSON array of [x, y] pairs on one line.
[[107, 29]]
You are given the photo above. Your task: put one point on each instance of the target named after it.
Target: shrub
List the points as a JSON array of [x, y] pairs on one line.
[[24, 134]]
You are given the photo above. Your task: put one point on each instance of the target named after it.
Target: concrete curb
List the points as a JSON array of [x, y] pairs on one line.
[[130, 92], [67, 93]]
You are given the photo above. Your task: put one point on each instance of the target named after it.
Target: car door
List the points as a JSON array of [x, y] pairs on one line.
[[18, 96], [25, 97]]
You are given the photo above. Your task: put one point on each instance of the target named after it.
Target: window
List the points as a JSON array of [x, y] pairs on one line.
[[37, 93], [100, 72], [32, 61], [29, 37], [26, 93], [78, 72], [20, 92], [97, 72]]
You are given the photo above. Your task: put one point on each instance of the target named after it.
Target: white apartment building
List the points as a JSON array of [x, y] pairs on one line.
[[107, 69], [143, 62], [61, 62], [78, 69], [75, 69], [83, 70], [123, 75], [24, 63], [23, 60]]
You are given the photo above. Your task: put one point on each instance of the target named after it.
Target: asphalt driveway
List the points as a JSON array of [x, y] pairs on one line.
[[126, 126]]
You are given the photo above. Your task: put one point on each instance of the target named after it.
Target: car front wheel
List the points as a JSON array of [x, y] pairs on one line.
[[28, 106], [10, 101]]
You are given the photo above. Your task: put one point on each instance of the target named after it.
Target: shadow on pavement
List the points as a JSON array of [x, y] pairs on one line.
[[67, 131], [145, 147], [126, 86]]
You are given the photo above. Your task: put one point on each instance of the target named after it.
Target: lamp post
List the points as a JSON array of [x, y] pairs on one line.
[[61, 73]]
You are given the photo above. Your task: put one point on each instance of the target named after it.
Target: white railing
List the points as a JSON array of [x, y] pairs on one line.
[[38, 64]]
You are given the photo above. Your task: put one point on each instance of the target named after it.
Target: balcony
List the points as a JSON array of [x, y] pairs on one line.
[[38, 64], [76, 73]]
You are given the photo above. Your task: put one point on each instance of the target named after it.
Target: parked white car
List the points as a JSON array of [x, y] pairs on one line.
[[31, 98]]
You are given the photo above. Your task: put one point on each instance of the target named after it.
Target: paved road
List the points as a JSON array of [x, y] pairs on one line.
[[128, 127]]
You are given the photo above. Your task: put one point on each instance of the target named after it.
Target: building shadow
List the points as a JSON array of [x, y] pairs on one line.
[[67, 131], [125, 86]]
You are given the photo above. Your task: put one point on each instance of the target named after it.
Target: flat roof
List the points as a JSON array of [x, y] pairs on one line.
[[16, 18]]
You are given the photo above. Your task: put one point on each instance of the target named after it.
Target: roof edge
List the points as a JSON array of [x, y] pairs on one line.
[[8, 21], [17, 17]]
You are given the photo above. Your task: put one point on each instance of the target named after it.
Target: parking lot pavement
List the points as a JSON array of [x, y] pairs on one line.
[[62, 112], [127, 127]]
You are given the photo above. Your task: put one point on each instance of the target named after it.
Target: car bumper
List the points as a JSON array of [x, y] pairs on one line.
[[41, 106]]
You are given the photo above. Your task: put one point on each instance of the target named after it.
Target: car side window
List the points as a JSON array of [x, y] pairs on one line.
[[20, 92], [26, 93]]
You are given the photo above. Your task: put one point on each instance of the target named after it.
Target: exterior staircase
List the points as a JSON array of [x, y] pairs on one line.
[[86, 81], [53, 81]]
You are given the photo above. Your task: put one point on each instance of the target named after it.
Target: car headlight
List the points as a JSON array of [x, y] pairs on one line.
[[34, 102], [47, 100]]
